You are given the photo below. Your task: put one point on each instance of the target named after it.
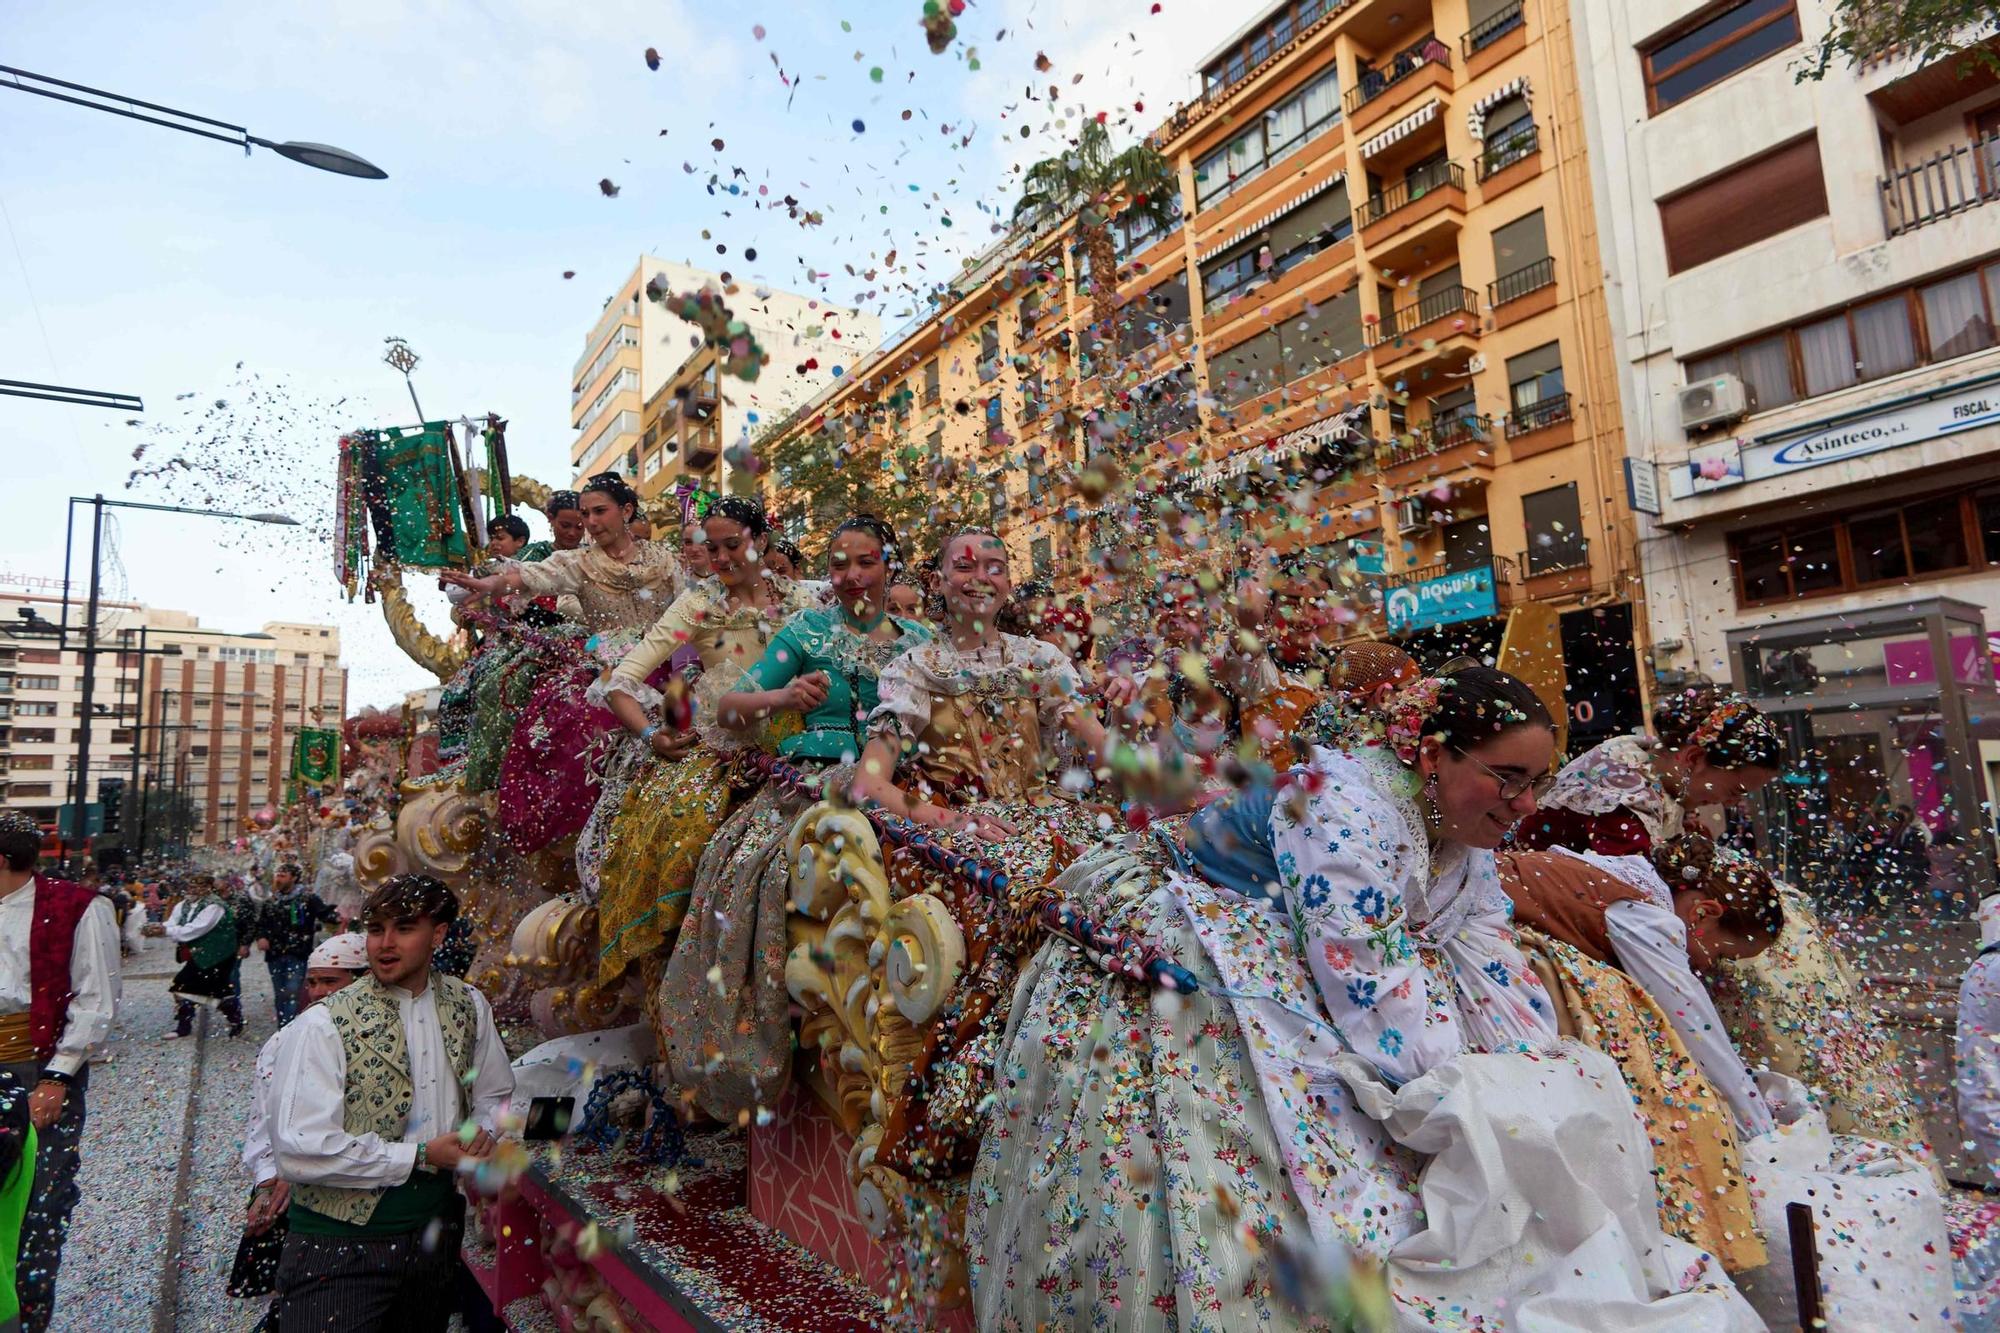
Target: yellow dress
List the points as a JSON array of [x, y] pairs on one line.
[[668, 812], [1798, 1009]]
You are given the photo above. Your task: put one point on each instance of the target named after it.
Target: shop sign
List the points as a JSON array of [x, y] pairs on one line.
[[1785, 452], [1642, 486], [1445, 600], [1370, 556], [1908, 661]]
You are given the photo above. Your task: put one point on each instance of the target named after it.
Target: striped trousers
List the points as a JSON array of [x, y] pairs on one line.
[[385, 1284]]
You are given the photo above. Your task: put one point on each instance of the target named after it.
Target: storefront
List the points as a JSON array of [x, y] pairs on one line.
[[1886, 804]]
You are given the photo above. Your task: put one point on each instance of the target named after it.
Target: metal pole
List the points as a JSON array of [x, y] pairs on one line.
[[138, 739], [82, 824]]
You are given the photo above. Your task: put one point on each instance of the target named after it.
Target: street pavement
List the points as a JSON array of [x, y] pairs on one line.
[[163, 1185]]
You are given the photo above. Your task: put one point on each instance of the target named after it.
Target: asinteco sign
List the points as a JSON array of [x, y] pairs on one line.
[[1781, 453]]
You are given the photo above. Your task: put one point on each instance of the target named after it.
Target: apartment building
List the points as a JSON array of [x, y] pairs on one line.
[[215, 723], [1806, 294], [1385, 250], [648, 399]]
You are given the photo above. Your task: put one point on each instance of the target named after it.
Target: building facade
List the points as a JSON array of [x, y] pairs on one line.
[[1806, 293], [647, 398], [206, 714], [1385, 253]]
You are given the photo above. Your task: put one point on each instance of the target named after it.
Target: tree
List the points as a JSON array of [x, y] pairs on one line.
[[1930, 30], [868, 466], [1097, 185]]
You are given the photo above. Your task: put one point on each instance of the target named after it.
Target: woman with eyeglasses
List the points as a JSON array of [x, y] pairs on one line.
[[1365, 1036]]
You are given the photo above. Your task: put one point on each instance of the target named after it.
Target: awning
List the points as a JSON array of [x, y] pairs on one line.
[[1348, 425], [1252, 228], [1403, 128]]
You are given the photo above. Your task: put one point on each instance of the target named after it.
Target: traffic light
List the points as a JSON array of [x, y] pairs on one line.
[[111, 801]]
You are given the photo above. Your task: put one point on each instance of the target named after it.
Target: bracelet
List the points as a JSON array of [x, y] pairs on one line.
[[423, 1162], [57, 1076], [650, 730]]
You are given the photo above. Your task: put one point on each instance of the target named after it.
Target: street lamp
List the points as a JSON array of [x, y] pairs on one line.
[[90, 650], [323, 156]]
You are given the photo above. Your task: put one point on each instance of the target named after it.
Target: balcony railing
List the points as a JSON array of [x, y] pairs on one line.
[[1490, 30], [1516, 143], [1437, 569], [1512, 286], [1963, 176], [1375, 82], [1531, 417], [1408, 190], [1441, 304], [1435, 437], [1562, 553]]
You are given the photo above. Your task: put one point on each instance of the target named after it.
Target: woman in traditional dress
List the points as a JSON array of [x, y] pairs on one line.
[[1616, 942], [1796, 1007], [725, 1029], [549, 779], [1158, 1160], [681, 793]]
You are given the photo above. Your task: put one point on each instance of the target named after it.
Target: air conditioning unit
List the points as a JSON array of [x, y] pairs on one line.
[[1412, 513], [1713, 402], [1475, 363]]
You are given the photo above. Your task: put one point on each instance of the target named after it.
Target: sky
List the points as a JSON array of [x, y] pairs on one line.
[[246, 301]]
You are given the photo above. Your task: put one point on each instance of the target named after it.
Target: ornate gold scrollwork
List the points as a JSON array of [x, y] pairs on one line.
[[440, 828], [376, 856], [870, 973]]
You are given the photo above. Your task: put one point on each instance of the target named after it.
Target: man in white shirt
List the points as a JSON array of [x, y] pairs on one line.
[[382, 1093], [333, 966], [59, 983]]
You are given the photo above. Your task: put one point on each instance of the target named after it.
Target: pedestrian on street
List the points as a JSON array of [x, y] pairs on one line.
[[384, 1092], [204, 926], [336, 964], [59, 984], [1978, 1051], [286, 928]]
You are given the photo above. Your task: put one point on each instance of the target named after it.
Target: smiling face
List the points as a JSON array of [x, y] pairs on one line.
[[906, 600], [1470, 808], [859, 574], [694, 550], [603, 518], [732, 551], [567, 525], [974, 580]]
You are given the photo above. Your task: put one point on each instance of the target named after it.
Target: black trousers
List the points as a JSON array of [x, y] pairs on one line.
[[391, 1284], [52, 1201]]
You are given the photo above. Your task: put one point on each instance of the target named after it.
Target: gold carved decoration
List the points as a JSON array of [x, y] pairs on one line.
[[870, 971]]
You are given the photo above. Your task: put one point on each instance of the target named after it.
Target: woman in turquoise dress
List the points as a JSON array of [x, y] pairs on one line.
[[725, 1033]]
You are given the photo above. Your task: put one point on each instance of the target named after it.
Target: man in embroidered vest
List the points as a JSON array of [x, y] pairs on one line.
[[382, 1093], [204, 925], [58, 989]]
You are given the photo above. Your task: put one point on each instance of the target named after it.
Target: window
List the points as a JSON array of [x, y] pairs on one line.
[[1281, 132], [44, 735], [1163, 407], [38, 682], [995, 420], [931, 380], [1245, 371], [1510, 135], [40, 657], [1883, 336], [1154, 317], [934, 449], [31, 789], [1534, 379], [27, 709], [1956, 313], [997, 502], [1042, 556], [1926, 537], [1031, 397], [1468, 544], [1751, 201], [1726, 41], [1554, 521], [989, 351]]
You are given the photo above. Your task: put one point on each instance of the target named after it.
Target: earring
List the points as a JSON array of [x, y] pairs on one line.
[[1431, 794]]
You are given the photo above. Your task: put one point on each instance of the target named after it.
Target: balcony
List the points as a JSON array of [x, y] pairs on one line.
[[1558, 567], [1414, 70], [1423, 210], [1512, 157], [1512, 297], [1540, 427], [1946, 183], [1435, 446], [1493, 39], [1442, 325]]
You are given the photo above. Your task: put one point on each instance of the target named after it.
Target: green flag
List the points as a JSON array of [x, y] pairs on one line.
[[316, 757]]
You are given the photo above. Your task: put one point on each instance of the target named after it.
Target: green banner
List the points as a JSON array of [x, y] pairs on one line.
[[316, 757]]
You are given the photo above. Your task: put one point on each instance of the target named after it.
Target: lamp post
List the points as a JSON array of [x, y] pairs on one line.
[[90, 649], [323, 156]]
